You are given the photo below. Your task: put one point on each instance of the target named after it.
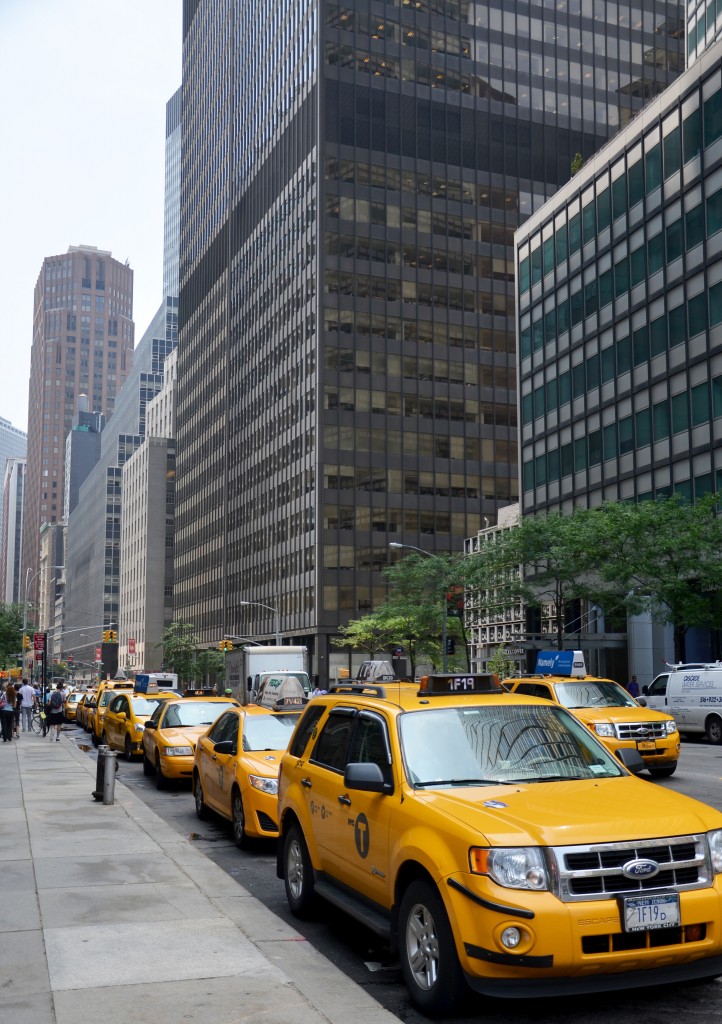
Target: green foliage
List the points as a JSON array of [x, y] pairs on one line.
[[501, 664], [370, 634], [577, 163], [209, 665], [179, 643], [11, 634]]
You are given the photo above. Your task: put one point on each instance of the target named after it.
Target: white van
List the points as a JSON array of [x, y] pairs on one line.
[[692, 693]]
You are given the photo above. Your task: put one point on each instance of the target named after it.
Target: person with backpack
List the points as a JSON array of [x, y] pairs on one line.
[[55, 710], [7, 715]]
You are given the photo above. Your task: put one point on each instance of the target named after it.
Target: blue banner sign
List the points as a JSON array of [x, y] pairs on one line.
[[561, 663]]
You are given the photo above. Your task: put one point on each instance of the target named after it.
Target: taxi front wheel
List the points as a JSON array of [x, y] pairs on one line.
[[429, 962], [238, 819], [298, 873], [201, 805]]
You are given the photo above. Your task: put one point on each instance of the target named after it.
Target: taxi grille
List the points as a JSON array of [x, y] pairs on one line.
[[641, 730], [596, 872], [266, 822]]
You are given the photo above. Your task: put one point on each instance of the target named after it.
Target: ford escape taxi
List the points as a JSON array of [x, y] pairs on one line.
[[496, 843]]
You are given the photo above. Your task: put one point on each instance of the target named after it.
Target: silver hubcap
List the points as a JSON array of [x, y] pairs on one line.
[[294, 869], [422, 947]]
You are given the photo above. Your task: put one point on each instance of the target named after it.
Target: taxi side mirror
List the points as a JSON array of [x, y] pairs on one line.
[[121, 716], [225, 747], [631, 759], [645, 689], [366, 777], [91, 704], [151, 725]]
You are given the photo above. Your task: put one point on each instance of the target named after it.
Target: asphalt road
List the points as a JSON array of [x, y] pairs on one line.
[[367, 962]]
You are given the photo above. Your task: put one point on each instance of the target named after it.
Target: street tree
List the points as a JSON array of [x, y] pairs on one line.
[[11, 634], [369, 634], [667, 557], [209, 664], [179, 643], [545, 560]]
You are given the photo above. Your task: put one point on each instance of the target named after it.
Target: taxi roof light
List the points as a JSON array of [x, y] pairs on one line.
[[201, 691], [457, 685]]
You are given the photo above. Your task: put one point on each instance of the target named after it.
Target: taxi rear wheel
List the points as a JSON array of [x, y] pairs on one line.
[[429, 961], [298, 873], [148, 768], [201, 805], [238, 820]]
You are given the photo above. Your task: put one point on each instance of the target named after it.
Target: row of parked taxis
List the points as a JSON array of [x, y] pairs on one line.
[[499, 841]]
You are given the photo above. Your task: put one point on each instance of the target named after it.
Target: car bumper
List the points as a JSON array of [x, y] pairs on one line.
[[659, 752], [577, 947], [177, 767]]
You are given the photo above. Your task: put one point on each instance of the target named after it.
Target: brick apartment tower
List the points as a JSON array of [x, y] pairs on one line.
[[83, 339]]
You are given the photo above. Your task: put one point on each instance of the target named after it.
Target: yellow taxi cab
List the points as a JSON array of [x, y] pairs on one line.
[[83, 711], [98, 706], [496, 844], [70, 708], [235, 771], [171, 732], [126, 716], [606, 708]]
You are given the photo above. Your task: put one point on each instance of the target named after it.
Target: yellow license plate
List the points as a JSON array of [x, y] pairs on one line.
[[646, 745]]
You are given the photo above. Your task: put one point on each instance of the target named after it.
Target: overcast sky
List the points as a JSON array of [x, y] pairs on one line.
[[83, 88]]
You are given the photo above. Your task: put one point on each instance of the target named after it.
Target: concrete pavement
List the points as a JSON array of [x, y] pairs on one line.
[[108, 915]]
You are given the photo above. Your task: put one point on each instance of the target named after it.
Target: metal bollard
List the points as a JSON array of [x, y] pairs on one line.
[[100, 772], [109, 779]]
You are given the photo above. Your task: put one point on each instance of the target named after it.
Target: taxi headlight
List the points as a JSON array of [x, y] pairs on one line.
[[514, 868], [715, 850], [139, 727], [671, 726], [269, 786], [178, 751], [604, 729]]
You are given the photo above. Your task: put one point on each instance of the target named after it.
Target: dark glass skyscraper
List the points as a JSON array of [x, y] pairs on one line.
[[352, 178]]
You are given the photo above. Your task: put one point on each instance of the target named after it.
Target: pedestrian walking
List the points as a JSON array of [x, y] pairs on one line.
[[7, 714], [18, 702], [55, 710], [27, 704]]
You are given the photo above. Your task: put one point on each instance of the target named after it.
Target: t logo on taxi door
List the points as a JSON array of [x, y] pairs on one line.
[[361, 835]]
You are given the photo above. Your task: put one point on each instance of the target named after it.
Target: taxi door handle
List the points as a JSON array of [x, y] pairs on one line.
[[346, 800], [306, 782]]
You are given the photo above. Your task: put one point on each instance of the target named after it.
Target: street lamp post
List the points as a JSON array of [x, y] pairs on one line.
[[397, 547], [29, 580], [270, 608]]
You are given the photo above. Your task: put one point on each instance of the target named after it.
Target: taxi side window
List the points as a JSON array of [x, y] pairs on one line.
[[304, 729], [370, 744], [157, 712], [172, 718], [226, 728], [533, 690], [116, 704], [332, 744]]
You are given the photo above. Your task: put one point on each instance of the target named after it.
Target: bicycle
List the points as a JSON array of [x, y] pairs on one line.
[[39, 721]]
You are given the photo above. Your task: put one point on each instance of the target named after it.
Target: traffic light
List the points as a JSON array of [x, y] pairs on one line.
[[455, 603], [106, 636], [26, 642], [113, 636], [225, 645]]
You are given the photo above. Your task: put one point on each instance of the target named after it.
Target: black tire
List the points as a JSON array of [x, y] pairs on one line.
[[713, 729], [160, 780], [201, 806], [238, 820], [298, 873], [429, 962], [128, 749], [148, 768], [94, 739], [663, 772]]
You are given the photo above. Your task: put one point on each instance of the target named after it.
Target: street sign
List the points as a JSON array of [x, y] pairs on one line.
[[39, 641], [98, 654], [131, 645]]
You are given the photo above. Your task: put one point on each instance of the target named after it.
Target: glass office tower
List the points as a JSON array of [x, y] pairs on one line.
[[352, 179]]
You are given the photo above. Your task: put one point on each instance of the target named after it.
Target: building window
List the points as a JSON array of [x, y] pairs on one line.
[[713, 118], [653, 168], [672, 153], [699, 396], [660, 419], [680, 413], [626, 435]]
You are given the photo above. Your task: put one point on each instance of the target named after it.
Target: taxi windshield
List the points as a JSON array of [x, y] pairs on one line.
[[466, 746], [268, 732], [599, 693], [194, 712]]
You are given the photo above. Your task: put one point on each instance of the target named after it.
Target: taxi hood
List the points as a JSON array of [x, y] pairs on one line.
[[619, 715], [187, 736], [569, 812]]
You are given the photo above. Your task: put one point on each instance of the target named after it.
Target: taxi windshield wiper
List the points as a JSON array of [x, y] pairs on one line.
[[553, 778], [462, 782]]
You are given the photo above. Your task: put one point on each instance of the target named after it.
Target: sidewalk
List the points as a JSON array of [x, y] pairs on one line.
[[110, 915]]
